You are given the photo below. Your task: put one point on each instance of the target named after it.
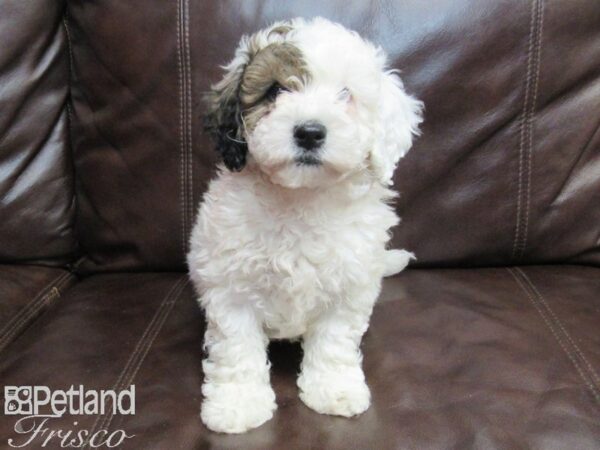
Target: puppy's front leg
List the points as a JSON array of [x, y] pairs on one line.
[[332, 380], [237, 392]]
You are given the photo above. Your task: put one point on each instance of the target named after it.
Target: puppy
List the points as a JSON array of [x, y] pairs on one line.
[[290, 239]]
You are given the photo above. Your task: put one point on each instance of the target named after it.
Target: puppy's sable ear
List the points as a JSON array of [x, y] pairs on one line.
[[399, 119], [223, 120]]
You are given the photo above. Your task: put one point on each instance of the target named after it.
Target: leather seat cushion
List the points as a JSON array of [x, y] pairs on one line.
[[455, 358]]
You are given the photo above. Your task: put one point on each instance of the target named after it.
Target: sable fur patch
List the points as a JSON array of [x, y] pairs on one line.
[[277, 63]]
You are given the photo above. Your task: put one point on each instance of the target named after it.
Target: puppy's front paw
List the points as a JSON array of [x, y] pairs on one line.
[[236, 407], [334, 395]]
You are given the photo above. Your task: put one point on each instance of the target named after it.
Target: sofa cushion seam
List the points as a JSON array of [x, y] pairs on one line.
[[189, 180], [52, 292], [141, 349], [180, 81], [32, 308], [525, 131], [517, 231], [578, 351], [160, 322], [531, 121], [185, 120], [589, 383], [26, 312]]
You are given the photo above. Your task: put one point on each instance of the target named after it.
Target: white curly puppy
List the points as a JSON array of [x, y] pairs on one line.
[[290, 240]]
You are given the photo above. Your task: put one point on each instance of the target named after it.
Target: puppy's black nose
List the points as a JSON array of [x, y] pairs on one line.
[[310, 135]]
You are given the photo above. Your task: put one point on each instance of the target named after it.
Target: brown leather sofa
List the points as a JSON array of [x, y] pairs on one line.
[[491, 340]]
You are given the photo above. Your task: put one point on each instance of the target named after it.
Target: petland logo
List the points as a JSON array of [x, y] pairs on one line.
[[39, 405]]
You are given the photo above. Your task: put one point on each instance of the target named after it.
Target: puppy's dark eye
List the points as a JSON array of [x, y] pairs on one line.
[[274, 91], [345, 94]]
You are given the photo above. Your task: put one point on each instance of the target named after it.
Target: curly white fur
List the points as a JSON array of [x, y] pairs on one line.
[[281, 250]]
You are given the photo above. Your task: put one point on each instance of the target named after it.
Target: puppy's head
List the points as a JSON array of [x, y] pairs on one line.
[[309, 103]]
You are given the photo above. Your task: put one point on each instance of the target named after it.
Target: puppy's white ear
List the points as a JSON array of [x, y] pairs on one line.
[[399, 119]]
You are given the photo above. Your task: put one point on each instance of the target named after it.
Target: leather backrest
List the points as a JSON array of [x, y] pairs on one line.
[[37, 202], [508, 168], [135, 128], [506, 171]]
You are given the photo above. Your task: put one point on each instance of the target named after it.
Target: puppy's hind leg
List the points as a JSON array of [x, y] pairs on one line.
[[237, 392], [396, 261]]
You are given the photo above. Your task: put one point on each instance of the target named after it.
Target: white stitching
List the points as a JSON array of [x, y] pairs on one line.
[[536, 68], [24, 313], [142, 347], [560, 325], [31, 309], [185, 127], [526, 129], [69, 44], [167, 310], [522, 128], [185, 119], [189, 117], [135, 352], [182, 139], [582, 374], [11, 323]]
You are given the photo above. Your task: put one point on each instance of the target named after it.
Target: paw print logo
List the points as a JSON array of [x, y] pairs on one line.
[[18, 400]]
